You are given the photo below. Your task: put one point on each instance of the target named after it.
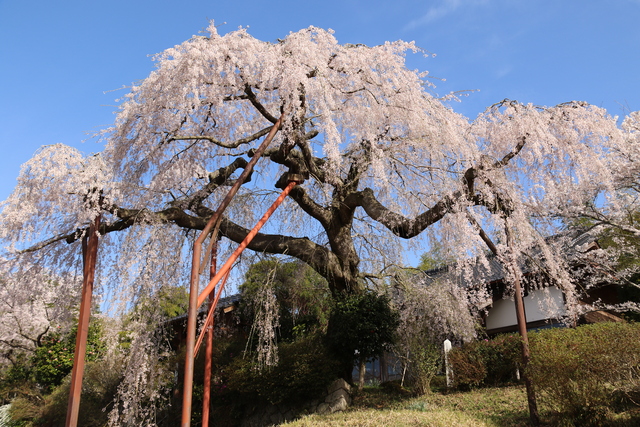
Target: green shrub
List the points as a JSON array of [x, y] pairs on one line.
[[487, 362], [360, 328], [53, 360], [502, 357], [425, 361], [13, 380], [579, 372], [303, 373], [468, 368], [26, 407], [99, 387]]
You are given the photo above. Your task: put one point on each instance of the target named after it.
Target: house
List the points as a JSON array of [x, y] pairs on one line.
[[544, 302], [225, 319]]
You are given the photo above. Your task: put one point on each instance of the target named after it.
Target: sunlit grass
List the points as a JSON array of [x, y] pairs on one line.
[[403, 417], [505, 406], [485, 407]]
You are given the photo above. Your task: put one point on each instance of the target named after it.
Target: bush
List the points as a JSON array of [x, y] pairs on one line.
[[303, 373], [579, 372], [360, 328], [424, 364], [99, 387], [53, 360], [468, 369], [486, 363]]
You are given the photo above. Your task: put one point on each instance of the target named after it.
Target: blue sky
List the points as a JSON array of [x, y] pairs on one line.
[[61, 63]]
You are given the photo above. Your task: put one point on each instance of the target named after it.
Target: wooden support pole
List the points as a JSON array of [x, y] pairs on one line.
[[511, 264], [208, 353], [522, 328], [187, 389], [89, 256]]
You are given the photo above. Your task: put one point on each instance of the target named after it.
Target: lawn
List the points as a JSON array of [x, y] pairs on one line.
[[499, 407]]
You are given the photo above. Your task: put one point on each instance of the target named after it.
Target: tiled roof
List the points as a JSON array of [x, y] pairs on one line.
[[222, 303], [491, 270]]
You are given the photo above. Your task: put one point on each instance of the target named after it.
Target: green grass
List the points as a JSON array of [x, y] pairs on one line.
[[376, 406], [490, 407]]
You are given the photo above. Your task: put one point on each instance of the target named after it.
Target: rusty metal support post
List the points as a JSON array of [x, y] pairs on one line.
[[89, 256], [512, 264], [187, 390], [208, 353], [522, 329]]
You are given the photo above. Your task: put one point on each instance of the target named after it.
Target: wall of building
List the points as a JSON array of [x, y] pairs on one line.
[[539, 305]]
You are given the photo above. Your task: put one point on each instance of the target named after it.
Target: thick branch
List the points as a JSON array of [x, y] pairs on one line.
[[216, 179], [314, 165], [307, 204], [254, 101], [398, 224], [318, 257], [407, 228]]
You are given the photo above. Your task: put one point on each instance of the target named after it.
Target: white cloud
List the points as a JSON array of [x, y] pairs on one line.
[[503, 71], [434, 13], [446, 7]]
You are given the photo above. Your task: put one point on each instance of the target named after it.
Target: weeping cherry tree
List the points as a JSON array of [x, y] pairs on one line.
[[385, 161]]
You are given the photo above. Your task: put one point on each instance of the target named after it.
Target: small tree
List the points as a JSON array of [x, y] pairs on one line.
[[429, 314], [361, 327]]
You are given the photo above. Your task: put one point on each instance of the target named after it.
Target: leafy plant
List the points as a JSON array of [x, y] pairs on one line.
[[581, 371], [302, 295], [361, 327], [303, 372], [486, 362], [53, 360]]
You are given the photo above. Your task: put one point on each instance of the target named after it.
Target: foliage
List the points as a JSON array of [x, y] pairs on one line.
[[34, 383], [436, 257], [425, 361], [304, 372], [15, 380], [172, 301], [581, 372], [281, 302], [54, 359], [31, 379], [361, 327], [486, 362], [99, 387], [164, 303], [302, 294], [468, 369]]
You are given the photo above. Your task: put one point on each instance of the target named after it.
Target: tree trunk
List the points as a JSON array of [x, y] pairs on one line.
[[384, 370], [361, 373]]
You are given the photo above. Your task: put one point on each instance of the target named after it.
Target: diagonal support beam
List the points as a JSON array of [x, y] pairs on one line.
[[187, 392]]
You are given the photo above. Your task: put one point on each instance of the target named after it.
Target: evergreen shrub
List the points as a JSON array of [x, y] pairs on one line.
[[582, 373], [303, 373], [487, 362]]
